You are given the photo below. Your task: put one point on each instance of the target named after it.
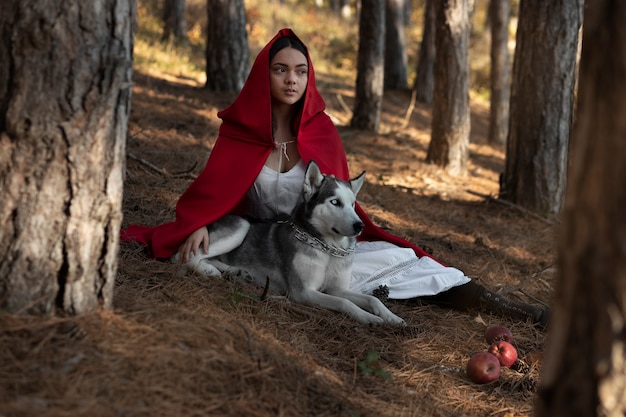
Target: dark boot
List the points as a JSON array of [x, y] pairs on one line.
[[498, 305], [474, 297]]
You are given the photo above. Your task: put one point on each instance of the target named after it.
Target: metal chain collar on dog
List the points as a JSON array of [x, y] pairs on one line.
[[316, 243]]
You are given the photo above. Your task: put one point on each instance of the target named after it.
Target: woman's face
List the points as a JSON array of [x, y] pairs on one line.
[[288, 76]]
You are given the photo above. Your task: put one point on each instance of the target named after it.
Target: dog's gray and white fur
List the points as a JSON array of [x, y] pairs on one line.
[[307, 257]]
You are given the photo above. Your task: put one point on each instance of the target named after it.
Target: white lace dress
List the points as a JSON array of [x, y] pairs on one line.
[[375, 263]]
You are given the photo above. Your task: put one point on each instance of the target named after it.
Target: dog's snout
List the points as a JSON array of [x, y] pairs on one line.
[[358, 227]]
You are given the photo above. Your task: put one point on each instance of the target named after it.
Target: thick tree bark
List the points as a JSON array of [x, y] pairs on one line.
[[499, 101], [542, 94], [174, 21], [65, 85], [425, 74], [396, 75], [449, 144], [227, 51], [584, 373], [370, 66]]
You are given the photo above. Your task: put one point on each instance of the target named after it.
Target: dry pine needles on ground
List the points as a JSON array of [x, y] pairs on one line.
[[186, 346]]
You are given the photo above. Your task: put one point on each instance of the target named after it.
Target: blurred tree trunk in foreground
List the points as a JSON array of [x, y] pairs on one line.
[[368, 99], [65, 86], [174, 21], [227, 51], [584, 372], [499, 98], [449, 143], [424, 75], [542, 96], [396, 76]]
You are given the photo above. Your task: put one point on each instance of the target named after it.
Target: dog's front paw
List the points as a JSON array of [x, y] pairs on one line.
[[197, 264], [370, 319], [203, 269], [391, 318], [207, 270], [396, 321]]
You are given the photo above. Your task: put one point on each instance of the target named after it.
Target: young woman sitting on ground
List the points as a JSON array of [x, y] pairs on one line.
[[275, 126]]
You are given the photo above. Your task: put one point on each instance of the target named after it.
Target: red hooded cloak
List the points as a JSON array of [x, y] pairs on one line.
[[242, 147]]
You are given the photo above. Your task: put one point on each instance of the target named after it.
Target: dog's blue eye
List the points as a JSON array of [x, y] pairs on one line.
[[334, 202]]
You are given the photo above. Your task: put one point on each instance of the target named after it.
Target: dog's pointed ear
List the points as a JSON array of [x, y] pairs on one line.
[[312, 179], [357, 183]]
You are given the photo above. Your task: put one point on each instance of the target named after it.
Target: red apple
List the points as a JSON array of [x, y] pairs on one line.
[[504, 351], [495, 333], [483, 368]]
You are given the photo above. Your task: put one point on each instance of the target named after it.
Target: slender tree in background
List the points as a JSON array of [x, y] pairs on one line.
[[174, 21], [64, 102], [407, 13], [449, 144], [541, 106], [227, 51], [396, 75], [499, 11], [370, 66], [584, 372], [425, 75]]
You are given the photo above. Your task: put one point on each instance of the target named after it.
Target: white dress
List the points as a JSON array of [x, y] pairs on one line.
[[375, 263]]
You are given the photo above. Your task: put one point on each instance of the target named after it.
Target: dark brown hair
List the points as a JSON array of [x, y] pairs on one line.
[[287, 42]]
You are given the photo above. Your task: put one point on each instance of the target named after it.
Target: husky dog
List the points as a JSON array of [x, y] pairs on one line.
[[307, 257]]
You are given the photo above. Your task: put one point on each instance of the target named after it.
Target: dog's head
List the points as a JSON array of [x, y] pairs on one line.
[[330, 203]]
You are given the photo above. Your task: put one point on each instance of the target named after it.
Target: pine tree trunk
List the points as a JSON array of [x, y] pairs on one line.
[[425, 74], [584, 372], [174, 21], [542, 94], [227, 51], [65, 86], [499, 100], [396, 76], [449, 144], [370, 66]]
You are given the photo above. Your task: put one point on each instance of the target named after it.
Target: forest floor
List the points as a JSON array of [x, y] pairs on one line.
[[186, 346], [190, 346]]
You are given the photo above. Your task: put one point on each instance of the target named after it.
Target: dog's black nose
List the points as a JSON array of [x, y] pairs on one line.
[[358, 227]]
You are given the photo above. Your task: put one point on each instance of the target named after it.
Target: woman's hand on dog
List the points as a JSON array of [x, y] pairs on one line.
[[192, 244]]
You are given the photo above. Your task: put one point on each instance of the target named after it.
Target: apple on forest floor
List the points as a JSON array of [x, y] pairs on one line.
[[495, 333], [504, 352], [483, 368]]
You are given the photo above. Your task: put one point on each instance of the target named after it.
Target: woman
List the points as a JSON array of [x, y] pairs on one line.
[[274, 127]]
